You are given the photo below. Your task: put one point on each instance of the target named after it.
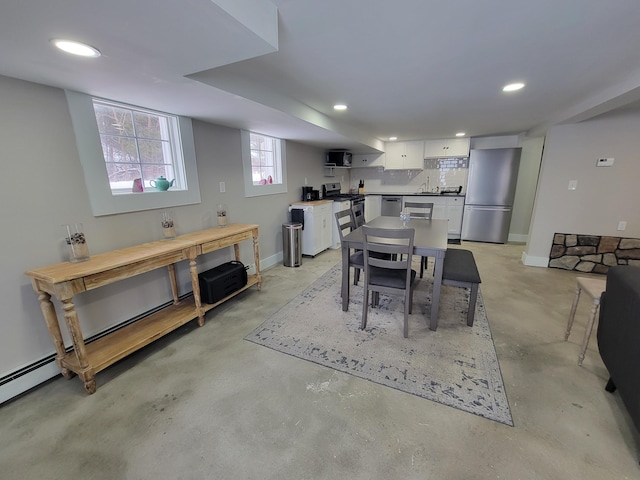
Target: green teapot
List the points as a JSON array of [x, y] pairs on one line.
[[161, 183]]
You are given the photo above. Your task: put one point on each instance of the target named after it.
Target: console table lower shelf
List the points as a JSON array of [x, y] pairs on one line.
[[65, 280]]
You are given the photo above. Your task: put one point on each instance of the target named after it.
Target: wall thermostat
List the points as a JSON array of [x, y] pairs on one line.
[[605, 162]]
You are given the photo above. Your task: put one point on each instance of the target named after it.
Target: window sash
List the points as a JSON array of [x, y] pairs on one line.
[[263, 156], [132, 151], [102, 201]]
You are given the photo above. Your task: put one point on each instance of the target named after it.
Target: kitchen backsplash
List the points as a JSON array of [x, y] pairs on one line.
[[437, 174]]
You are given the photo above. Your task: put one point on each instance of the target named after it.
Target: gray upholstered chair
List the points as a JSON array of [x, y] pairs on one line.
[[356, 259], [386, 275], [424, 211], [357, 213]]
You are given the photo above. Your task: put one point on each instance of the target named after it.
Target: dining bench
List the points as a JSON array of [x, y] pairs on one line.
[[460, 270]]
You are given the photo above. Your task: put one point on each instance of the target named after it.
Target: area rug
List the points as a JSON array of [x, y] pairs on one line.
[[456, 365]]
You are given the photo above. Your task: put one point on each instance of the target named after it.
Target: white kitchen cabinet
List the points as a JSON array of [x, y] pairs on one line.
[[317, 233], [439, 208], [404, 155], [455, 207], [444, 208], [326, 233], [448, 147], [368, 160], [372, 207]]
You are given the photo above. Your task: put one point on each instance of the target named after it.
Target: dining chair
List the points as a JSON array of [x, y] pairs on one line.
[[357, 213], [389, 275], [356, 259], [424, 211]]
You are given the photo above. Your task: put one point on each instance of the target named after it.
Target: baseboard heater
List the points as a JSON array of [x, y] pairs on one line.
[[32, 368]]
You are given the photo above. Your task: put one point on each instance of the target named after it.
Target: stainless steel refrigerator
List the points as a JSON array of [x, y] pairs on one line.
[[491, 187]]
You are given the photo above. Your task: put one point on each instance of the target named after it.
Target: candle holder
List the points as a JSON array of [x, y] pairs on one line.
[[222, 215], [76, 242], [168, 227]]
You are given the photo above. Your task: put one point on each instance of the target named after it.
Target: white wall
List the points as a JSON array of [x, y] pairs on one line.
[[605, 195], [525, 188], [43, 188]]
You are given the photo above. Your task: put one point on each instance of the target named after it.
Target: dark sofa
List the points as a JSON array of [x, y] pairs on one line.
[[619, 335]]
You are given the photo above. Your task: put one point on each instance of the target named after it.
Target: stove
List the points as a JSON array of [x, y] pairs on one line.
[[331, 191], [341, 201]]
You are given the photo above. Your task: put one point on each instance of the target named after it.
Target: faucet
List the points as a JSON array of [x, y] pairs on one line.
[[424, 187]]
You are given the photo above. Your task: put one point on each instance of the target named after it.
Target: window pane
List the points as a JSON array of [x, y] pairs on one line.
[[119, 149], [141, 139], [147, 126], [113, 120], [152, 151]]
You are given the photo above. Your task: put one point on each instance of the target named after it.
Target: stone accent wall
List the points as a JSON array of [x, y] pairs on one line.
[[592, 253]]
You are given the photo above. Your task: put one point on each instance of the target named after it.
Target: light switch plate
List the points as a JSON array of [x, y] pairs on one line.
[[573, 184], [223, 187], [605, 162]]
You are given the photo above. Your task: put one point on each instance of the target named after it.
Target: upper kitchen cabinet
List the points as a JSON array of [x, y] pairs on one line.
[[448, 147], [372, 160], [404, 155]]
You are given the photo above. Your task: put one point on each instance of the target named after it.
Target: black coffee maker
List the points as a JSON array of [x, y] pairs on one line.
[[307, 193]]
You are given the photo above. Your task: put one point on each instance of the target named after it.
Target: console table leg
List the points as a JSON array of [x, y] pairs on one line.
[[90, 384], [51, 320], [193, 270], [256, 258], [174, 281], [71, 318]]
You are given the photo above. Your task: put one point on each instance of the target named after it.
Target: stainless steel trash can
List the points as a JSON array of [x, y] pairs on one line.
[[292, 244]]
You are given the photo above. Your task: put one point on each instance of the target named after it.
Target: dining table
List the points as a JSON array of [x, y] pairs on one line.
[[430, 240]]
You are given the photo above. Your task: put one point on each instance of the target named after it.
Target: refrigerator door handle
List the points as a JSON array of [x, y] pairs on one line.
[[499, 208]]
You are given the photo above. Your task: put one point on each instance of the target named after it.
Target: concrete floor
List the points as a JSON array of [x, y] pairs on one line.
[[204, 403]]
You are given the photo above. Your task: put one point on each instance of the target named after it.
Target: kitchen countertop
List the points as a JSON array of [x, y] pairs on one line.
[[311, 203], [408, 194]]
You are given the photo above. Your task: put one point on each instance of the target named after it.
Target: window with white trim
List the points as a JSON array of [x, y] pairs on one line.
[[139, 146], [133, 142], [264, 164]]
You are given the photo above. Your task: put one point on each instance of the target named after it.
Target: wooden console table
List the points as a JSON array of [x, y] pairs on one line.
[[64, 280]]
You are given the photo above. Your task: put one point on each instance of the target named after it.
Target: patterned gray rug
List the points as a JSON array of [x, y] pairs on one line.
[[456, 365]]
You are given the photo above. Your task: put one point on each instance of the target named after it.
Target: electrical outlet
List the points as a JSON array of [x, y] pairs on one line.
[[223, 188], [573, 184], [605, 162], [622, 225]]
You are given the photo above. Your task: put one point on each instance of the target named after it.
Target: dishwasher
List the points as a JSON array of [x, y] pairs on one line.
[[391, 206]]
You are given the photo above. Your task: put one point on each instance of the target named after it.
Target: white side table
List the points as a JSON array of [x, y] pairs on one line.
[[593, 287]]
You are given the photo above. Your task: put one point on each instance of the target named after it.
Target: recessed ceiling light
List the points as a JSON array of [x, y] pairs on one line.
[[512, 87], [393, 138], [339, 106], [460, 134], [76, 48]]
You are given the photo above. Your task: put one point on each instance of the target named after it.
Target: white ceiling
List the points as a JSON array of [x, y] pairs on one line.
[[411, 68]]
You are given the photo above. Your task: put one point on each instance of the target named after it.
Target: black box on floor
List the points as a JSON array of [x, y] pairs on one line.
[[223, 280]]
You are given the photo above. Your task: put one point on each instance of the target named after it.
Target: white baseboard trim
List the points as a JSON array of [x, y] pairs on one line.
[[532, 261], [271, 261], [21, 383], [518, 238]]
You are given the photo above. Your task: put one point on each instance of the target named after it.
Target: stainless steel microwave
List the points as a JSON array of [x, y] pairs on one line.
[[339, 158]]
